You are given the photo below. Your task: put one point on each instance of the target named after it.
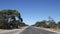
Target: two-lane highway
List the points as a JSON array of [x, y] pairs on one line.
[[32, 30]]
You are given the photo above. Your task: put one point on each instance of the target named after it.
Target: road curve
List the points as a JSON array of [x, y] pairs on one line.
[[32, 30]]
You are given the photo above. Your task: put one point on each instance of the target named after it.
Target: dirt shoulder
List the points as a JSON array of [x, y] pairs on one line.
[[13, 30], [50, 29]]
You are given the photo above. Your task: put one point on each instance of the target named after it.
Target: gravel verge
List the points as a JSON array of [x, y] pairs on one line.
[[49, 29], [12, 31]]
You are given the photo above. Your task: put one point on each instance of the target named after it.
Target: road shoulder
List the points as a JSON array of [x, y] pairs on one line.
[[15, 31], [51, 30]]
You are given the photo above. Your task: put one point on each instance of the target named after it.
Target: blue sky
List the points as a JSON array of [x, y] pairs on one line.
[[34, 10]]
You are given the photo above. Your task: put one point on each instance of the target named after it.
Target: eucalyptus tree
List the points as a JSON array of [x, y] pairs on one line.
[[58, 24], [52, 24], [6, 14]]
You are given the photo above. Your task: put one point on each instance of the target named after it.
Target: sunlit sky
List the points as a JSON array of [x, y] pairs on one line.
[[34, 10]]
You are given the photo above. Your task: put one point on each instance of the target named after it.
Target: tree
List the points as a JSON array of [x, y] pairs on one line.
[[19, 16], [41, 23], [52, 24], [58, 24], [37, 24], [6, 14]]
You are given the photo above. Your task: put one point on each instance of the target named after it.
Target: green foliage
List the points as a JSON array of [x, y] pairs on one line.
[[37, 24], [9, 12], [58, 24], [23, 24], [52, 24], [41, 24], [6, 14]]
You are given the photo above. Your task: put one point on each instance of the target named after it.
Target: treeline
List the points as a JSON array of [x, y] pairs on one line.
[[47, 24], [8, 19]]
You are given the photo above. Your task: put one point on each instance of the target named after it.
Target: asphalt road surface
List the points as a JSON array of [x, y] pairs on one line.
[[32, 30]]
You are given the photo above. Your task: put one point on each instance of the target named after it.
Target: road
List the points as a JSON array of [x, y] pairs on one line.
[[29, 30], [32, 30]]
